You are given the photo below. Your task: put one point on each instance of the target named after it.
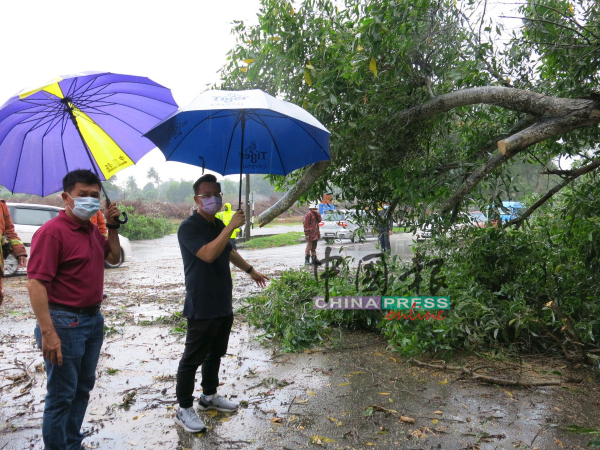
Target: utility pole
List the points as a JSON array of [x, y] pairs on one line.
[[247, 228]]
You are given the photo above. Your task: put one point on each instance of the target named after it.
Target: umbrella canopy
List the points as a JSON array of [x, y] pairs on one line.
[[92, 120], [233, 132]]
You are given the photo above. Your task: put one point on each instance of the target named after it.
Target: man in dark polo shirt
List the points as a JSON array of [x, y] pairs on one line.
[[206, 252], [65, 283]]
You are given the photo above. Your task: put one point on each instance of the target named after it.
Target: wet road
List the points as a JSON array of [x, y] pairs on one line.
[[358, 396]]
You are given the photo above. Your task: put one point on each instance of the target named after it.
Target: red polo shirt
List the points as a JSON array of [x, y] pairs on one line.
[[69, 258]]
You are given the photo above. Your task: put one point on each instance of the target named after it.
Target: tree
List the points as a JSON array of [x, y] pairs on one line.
[[153, 175], [425, 104], [131, 187], [149, 191]]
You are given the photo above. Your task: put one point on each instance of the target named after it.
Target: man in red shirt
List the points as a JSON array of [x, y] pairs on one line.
[[65, 283]]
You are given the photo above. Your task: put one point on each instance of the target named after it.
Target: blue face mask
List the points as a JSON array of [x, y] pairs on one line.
[[85, 207]]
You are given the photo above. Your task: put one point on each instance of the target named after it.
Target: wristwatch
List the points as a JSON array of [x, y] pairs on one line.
[[249, 269]]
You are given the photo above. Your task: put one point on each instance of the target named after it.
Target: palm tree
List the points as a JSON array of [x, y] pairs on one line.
[[152, 174]]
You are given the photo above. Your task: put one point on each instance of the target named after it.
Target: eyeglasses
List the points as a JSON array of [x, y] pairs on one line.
[[211, 195]]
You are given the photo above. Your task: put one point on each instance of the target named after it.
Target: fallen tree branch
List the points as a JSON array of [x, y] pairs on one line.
[[515, 144], [546, 129], [510, 98], [487, 378], [573, 174], [302, 186]]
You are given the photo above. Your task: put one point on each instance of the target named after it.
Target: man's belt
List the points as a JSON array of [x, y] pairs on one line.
[[89, 310]]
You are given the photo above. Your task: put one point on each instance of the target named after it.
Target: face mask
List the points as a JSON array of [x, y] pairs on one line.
[[85, 207], [212, 205]]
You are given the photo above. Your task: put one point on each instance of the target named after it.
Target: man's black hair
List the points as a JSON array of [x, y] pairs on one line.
[[84, 176], [208, 178]]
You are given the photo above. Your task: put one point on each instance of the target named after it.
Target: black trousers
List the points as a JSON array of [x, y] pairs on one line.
[[205, 343]]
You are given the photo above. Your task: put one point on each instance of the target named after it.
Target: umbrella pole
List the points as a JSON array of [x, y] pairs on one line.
[[89, 154], [242, 157]]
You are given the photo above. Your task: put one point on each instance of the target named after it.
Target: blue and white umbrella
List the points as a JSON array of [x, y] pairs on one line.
[[231, 132]]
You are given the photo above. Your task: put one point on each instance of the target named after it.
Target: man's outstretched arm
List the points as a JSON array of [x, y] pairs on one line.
[[237, 260]]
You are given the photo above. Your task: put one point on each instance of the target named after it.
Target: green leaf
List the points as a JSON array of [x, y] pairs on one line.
[[582, 430]]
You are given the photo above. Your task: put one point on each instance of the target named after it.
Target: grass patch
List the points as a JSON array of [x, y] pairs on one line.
[[282, 224], [401, 229], [278, 240]]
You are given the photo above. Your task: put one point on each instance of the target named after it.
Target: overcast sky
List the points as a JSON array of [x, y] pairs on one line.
[[179, 44]]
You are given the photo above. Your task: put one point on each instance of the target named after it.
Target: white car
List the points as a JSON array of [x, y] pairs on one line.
[[337, 224], [28, 218], [476, 218]]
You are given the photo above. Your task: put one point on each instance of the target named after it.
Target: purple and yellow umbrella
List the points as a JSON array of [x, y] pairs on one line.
[[92, 120]]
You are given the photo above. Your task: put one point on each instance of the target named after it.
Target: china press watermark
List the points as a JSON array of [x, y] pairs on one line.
[[407, 308]]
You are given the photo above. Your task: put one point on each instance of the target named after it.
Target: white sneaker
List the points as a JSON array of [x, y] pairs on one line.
[[189, 420], [217, 402]]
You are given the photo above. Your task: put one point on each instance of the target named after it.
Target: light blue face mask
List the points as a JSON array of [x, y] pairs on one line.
[[85, 207]]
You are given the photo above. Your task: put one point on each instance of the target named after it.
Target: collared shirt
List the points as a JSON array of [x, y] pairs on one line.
[[208, 286], [69, 258]]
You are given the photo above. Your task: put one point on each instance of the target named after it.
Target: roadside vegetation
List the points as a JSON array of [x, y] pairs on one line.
[[141, 226], [278, 240], [535, 289]]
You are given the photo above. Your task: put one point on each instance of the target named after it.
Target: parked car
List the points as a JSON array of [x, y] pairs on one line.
[[335, 226], [341, 224], [473, 218], [28, 218], [478, 218]]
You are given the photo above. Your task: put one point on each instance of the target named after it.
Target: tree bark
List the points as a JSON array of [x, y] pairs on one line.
[[509, 147], [510, 98], [302, 185]]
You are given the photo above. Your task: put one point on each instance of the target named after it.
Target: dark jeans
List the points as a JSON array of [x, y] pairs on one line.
[[69, 385], [233, 244], [384, 241], [205, 343]]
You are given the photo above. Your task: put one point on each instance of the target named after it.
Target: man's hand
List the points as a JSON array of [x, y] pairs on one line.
[[111, 213], [22, 261], [261, 280], [51, 347], [238, 219], [390, 232]]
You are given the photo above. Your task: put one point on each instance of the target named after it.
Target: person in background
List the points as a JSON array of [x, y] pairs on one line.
[[7, 232], [385, 228], [312, 234], [65, 280], [99, 221], [225, 217]]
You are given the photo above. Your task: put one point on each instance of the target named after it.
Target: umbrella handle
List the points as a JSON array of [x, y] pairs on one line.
[[123, 213], [124, 220]]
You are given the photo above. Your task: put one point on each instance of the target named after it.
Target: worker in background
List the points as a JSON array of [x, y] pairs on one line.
[[225, 216], [311, 232], [11, 243], [99, 221]]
